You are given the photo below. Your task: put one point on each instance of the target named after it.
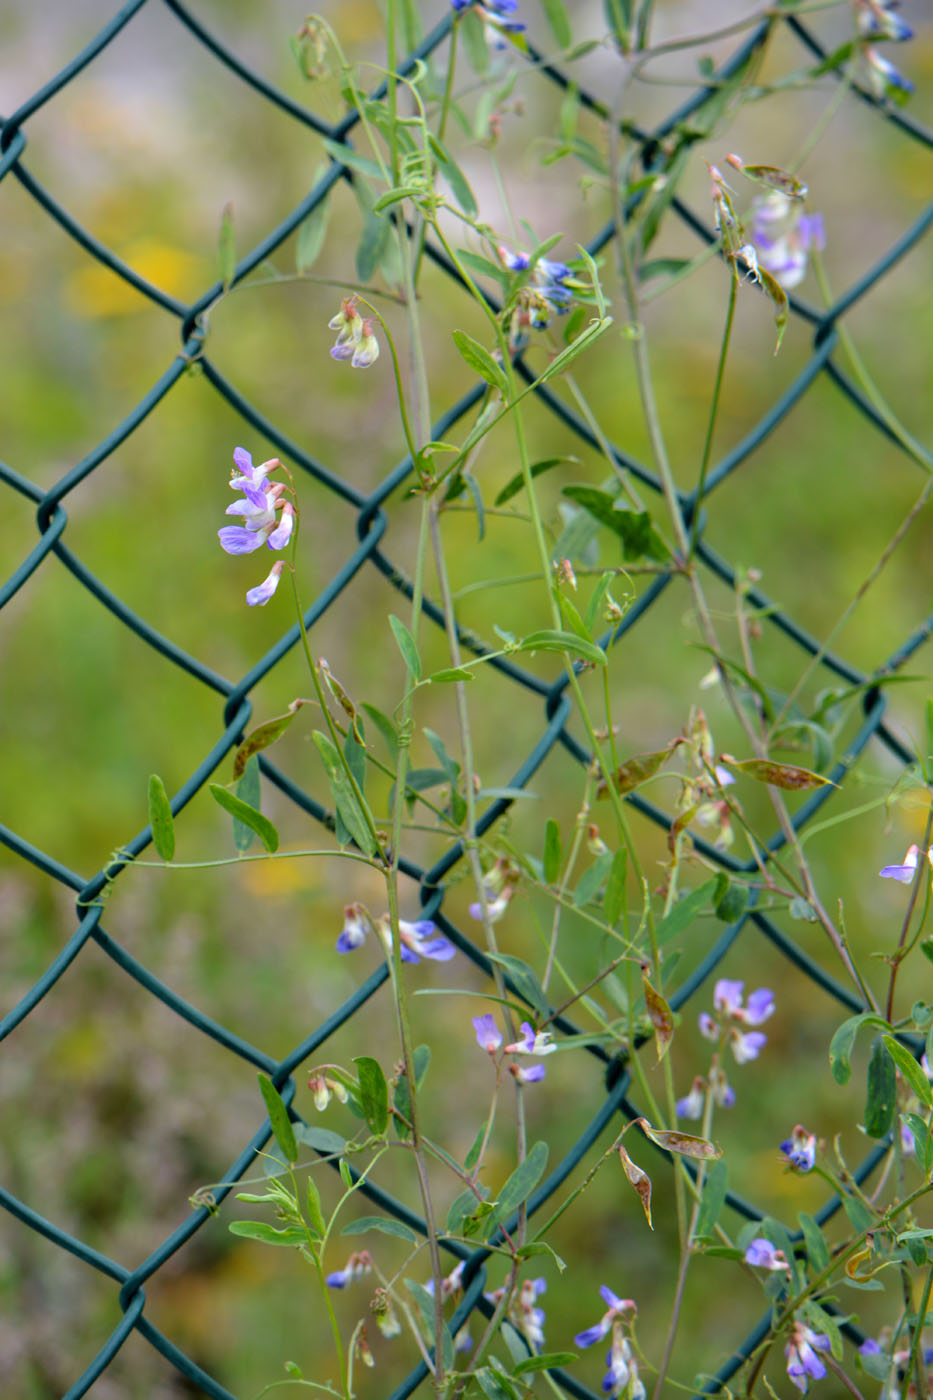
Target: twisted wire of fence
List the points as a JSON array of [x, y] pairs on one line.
[[373, 530]]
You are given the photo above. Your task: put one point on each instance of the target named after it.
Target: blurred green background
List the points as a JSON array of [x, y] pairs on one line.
[[115, 1111]]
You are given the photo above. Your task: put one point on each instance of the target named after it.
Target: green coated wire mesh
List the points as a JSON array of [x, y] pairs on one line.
[[373, 551]]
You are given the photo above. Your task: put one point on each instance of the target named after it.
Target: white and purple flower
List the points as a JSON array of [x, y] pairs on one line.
[[356, 925], [356, 340], [800, 1150], [488, 1035], [761, 1254], [532, 1075], [419, 940], [532, 1042], [906, 872], [734, 1013], [784, 235], [617, 1307], [357, 1265], [803, 1363]]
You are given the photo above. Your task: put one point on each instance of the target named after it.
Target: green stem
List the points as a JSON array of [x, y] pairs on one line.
[[714, 409]]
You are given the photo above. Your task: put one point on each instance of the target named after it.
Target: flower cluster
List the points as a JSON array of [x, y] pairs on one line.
[[323, 1089], [523, 1310], [784, 235], [622, 1369], [419, 940], [733, 1015], [716, 1083], [906, 872], [544, 295], [532, 1042], [259, 505], [355, 341], [876, 20]]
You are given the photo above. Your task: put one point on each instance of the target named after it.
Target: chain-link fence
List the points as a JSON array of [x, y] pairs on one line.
[[374, 551]]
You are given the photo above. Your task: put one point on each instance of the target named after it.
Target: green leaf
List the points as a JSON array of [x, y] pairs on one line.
[[425, 1301], [817, 1248], [313, 230], [345, 155], [402, 1096], [462, 1206], [684, 912], [860, 1217], [480, 360], [776, 292], [732, 904], [160, 818], [615, 888], [355, 815], [661, 267], [374, 239], [639, 538], [321, 1139], [385, 726], [520, 1184], [279, 1120], [713, 1198], [476, 263], [406, 645], [597, 598], [556, 17], [313, 1208], [545, 1361], [911, 1071], [385, 1224], [549, 640], [840, 1047], [454, 176], [450, 674], [226, 248], [923, 1141], [592, 880], [374, 1093], [248, 790], [576, 347], [882, 1091], [552, 851], [247, 815], [292, 1235], [525, 981]]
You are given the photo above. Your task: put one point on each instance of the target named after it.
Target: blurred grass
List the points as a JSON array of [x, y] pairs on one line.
[[119, 1111]]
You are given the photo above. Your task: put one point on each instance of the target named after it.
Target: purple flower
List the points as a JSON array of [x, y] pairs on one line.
[[495, 908], [532, 1043], [801, 1353], [418, 940], [264, 591], [876, 20], [800, 1149], [531, 1316], [356, 922], [723, 1092], [784, 236], [356, 340], [488, 1035], [746, 1045], [357, 1266], [906, 872], [869, 1347], [761, 1254], [258, 507], [691, 1105], [617, 1307], [532, 1075], [883, 78]]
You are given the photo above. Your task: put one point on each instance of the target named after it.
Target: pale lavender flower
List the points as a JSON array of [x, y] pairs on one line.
[[800, 1149], [803, 1363], [906, 872], [746, 1044], [261, 594], [785, 235], [723, 1093], [761, 1254], [875, 19], [870, 1347], [531, 1316], [488, 1035]]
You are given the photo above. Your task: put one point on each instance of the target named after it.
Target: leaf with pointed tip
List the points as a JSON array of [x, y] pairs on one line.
[[782, 775], [279, 1120], [160, 818], [659, 1014], [264, 735], [247, 815], [634, 772]]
